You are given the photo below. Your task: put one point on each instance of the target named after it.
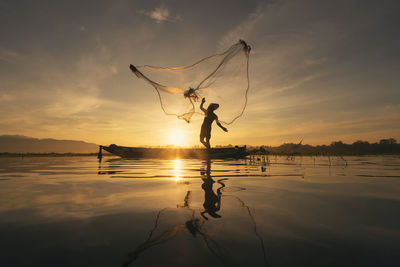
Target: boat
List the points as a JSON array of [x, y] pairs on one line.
[[174, 153]]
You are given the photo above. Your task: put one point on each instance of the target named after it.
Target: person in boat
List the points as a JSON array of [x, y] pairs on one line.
[[209, 118]]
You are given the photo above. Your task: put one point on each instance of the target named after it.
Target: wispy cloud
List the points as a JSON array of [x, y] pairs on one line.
[[316, 61], [161, 14], [319, 74], [8, 55], [245, 28], [4, 97]]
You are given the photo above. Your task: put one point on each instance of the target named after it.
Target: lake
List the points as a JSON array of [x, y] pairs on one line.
[[269, 211]]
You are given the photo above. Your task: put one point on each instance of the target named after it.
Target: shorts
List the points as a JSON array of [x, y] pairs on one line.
[[205, 132]]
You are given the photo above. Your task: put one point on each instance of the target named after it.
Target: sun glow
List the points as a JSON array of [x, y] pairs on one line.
[[177, 170], [176, 137]]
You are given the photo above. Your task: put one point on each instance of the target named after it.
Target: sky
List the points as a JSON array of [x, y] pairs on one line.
[[319, 70]]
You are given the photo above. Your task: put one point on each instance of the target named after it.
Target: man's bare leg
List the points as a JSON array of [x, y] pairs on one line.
[[208, 143], [203, 142]]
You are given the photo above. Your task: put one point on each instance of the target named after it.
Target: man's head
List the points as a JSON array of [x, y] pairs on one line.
[[213, 106]]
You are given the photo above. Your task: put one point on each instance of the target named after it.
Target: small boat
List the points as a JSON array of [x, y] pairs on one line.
[[174, 153]]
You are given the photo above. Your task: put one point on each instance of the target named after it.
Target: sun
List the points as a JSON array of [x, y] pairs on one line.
[[176, 137]]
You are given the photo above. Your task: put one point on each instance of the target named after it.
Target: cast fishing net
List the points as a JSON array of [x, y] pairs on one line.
[[222, 78]]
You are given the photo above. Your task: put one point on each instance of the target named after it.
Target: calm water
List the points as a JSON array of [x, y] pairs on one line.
[[302, 211]]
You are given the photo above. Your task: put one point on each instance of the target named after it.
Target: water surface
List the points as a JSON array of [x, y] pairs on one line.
[[275, 211]]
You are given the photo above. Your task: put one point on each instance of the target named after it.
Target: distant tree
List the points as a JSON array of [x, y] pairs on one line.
[[389, 141], [337, 143], [360, 143]]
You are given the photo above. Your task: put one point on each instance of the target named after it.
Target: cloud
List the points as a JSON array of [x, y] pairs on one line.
[[245, 28], [316, 61], [323, 64], [161, 14], [4, 97], [8, 55], [114, 69], [308, 72]]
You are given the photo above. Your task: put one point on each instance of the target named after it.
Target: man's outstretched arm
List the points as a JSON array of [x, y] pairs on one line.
[[201, 105], [222, 127]]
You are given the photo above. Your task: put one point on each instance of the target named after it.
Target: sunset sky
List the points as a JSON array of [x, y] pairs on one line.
[[319, 70]]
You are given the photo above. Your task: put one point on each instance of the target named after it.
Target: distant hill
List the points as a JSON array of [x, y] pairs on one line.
[[23, 144]]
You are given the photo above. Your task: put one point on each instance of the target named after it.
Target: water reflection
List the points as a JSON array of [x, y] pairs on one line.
[[195, 225], [178, 170], [133, 212], [212, 200]]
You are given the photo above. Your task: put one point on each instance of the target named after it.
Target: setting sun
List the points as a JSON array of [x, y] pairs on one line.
[[176, 137]]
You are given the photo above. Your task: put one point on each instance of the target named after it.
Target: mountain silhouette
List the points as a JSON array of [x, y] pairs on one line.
[[24, 144]]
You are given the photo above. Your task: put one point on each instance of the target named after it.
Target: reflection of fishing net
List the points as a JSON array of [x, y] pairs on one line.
[[233, 189], [168, 226], [221, 78]]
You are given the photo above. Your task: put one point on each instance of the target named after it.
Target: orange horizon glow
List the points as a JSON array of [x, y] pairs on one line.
[[314, 87]]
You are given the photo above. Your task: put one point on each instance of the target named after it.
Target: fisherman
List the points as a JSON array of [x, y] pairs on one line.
[[209, 118]]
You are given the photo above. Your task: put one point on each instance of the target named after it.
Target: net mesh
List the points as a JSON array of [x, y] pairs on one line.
[[221, 78]]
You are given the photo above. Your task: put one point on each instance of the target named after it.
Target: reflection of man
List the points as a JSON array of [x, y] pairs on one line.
[[212, 201], [212, 204]]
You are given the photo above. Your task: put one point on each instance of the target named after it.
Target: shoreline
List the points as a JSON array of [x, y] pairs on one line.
[[252, 153], [15, 155]]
